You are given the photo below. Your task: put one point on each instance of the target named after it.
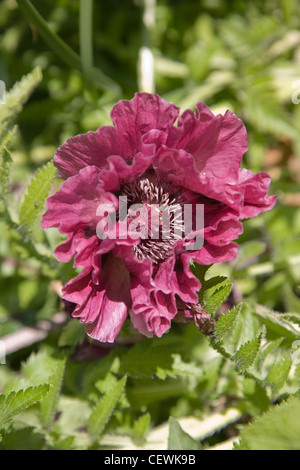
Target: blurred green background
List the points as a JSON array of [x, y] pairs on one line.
[[237, 55]]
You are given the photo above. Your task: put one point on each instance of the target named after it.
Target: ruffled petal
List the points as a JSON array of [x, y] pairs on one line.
[[76, 203], [84, 150], [103, 308], [152, 311], [138, 116], [255, 189], [217, 143]]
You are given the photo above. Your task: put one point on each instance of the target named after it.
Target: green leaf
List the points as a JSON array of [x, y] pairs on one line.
[[277, 322], [216, 295], [6, 163], [22, 439], [178, 439], [141, 427], [214, 291], [37, 192], [247, 353], [48, 405], [278, 429], [257, 400], [16, 402], [279, 373], [245, 327], [17, 96], [105, 408], [199, 271], [72, 333], [61, 48], [226, 322], [147, 358]]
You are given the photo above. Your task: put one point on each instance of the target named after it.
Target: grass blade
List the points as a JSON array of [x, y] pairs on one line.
[[86, 38], [62, 49]]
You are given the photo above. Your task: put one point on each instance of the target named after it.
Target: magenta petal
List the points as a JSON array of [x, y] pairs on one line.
[[152, 311], [178, 281], [210, 254], [138, 116], [84, 150], [255, 189], [75, 205], [78, 288], [216, 142], [103, 308]]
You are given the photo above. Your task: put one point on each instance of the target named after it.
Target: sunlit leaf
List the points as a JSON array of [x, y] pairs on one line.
[[16, 402], [178, 439]]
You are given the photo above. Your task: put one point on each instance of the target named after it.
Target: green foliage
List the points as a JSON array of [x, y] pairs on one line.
[[179, 439], [37, 192], [17, 97], [6, 163], [49, 404], [226, 322], [155, 358], [67, 392], [213, 297], [278, 373], [16, 402], [276, 430], [247, 353], [103, 410], [278, 323]]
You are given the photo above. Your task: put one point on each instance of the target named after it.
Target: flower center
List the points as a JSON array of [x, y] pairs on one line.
[[155, 213]]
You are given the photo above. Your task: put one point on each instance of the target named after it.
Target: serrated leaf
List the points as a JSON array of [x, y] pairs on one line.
[[66, 443], [148, 358], [72, 333], [6, 163], [38, 367], [109, 383], [141, 426], [105, 408], [22, 439], [278, 429], [48, 405], [257, 400], [277, 323], [245, 327], [178, 439], [247, 353], [73, 415], [199, 270], [215, 296], [226, 322], [17, 96], [214, 282], [36, 194], [279, 373], [16, 402], [268, 349]]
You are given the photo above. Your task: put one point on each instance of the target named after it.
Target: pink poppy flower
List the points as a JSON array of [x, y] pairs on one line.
[[162, 170]]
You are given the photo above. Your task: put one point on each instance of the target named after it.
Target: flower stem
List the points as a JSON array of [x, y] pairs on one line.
[[62, 49], [146, 81], [86, 38]]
